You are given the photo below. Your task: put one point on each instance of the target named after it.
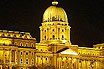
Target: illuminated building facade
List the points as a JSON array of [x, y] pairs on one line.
[[54, 51], [16, 50]]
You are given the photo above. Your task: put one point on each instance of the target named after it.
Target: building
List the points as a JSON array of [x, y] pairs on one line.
[[16, 49], [20, 51]]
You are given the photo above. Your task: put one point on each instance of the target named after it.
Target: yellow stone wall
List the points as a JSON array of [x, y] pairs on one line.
[[11, 45]]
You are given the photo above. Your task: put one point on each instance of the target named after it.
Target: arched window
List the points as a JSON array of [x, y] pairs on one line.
[[14, 36], [62, 37], [53, 36], [21, 61], [45, 37], [8, 35], [15, 43], [3, 35], [26, 44], [26, 60], [45, 30], [53, 30], [32, 45], [21, 44], [53, 18], [46, 59], [62, 30], [32, 61]]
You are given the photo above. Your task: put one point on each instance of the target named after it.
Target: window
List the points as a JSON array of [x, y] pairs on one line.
[[21, 61], [53, 36], [62, 30], [53, 30], [62, 37], [58, 30], [26, 44], [32, 61], [58, 23], [8, 35], [14, 36], [32, 54], [46, 59], [15, 43], [21, 44], [26, 53], [47, 28], [25, 36], [41, 49], [27, 61], [45, 37], [2, 35], [21, 53], [32, 45]]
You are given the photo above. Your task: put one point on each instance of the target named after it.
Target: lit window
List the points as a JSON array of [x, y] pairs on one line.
[[62, 37], [15, 43], [32, 61], [20, 35], [26, 44], [26, 53], [32, 45], [21, 61], [62, 30], [26, 61], [46, 59], [21, 53], [32, 54], [2, 35], [45, 37], [41, 49], [25, 36], [53, 36], [14, 36], [53, 30], [21, 44], [8, 35]]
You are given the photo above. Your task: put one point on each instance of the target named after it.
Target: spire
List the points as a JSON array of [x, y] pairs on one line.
[[54, 2]]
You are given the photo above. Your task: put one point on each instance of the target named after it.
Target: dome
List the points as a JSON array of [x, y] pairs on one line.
[[55, 13]]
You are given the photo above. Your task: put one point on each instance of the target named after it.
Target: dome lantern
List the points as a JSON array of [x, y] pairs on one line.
[[55, 13], [54, 3]]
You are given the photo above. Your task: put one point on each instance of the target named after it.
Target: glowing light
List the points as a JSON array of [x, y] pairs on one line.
[[54, 2], [69, 51], [64, 41], [5, 41]]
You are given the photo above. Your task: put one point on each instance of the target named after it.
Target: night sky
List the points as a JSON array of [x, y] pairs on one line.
[[86, 18]]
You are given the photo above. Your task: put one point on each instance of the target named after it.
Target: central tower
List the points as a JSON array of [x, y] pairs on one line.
[[55, 28]]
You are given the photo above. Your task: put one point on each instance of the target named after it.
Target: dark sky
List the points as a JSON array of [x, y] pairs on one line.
[[86, 18]]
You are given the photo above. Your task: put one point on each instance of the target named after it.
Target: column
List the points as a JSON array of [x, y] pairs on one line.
[[10, 56], [4, 55]]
